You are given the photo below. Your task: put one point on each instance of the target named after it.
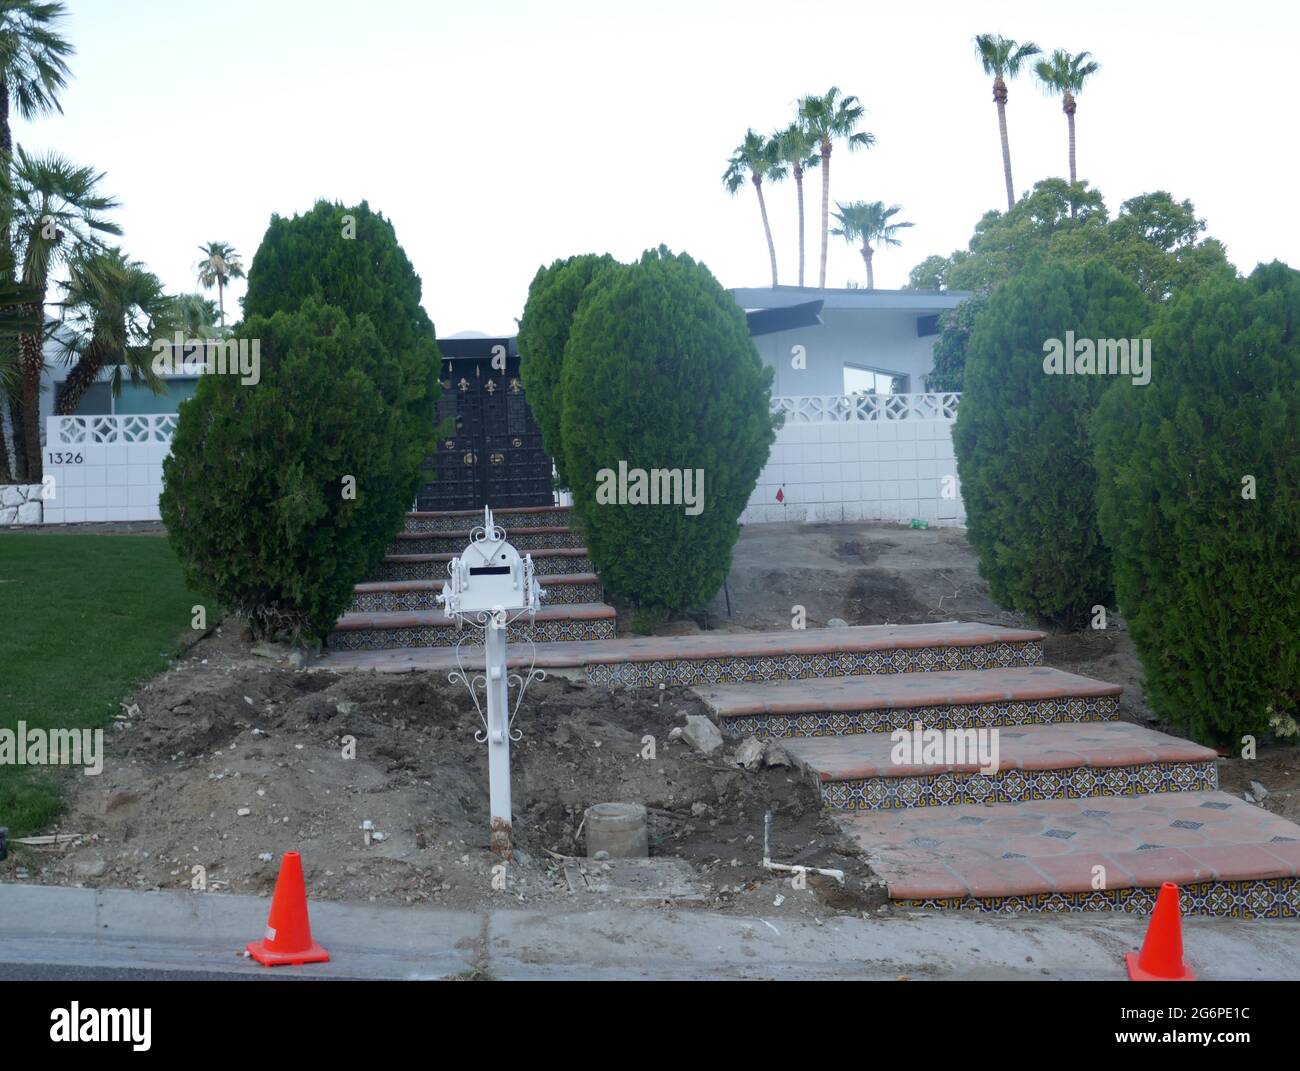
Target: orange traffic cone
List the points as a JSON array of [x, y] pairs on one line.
[[1161, 958], [288, 930]]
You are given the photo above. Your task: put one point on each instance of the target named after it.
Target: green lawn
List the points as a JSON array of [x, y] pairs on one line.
[[83, 618]]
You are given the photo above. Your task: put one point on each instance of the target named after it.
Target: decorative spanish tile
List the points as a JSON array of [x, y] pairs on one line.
[[1014, 785]]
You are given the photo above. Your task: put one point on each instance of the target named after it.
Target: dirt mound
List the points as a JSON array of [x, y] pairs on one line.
[[228, 761]]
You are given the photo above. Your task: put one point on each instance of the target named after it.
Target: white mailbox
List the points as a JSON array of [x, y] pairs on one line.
[[489, 576], [491, 586]]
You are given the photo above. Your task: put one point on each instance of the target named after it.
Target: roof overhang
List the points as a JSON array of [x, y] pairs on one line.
[[917, 302], [784, 318]]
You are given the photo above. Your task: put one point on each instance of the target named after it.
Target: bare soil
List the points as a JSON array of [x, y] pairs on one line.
[[231, 759], [228, 731]]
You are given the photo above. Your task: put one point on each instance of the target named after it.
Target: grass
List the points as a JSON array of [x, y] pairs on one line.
[[83, 619]]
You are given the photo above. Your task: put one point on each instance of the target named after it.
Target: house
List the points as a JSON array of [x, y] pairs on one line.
[[852, 341], [862, 439]]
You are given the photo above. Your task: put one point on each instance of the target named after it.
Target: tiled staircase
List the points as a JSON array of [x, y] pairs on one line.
[[397, 611], [1083, 811]]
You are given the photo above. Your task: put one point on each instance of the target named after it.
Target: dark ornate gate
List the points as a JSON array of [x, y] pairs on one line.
[[493, 454]]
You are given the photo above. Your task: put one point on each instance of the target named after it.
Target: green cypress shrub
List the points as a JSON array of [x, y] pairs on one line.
[[660, 373], [553, 298], [1024, 455], [950, 347], [349, 258], [1207, 576], [254, 497]]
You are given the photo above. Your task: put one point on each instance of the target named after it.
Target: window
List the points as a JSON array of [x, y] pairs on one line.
[[873, 381]]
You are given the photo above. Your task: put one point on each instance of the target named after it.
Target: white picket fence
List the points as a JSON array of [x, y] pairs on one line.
[[861, 457]]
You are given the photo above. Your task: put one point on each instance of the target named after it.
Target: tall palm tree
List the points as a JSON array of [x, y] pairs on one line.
[[195, 316], [869, 222], [797, 149], [112, 308], [756, 158], [57, 214], [219, 265], [1003, 58], [33, 68], [17, 317], [828, 117], [1065, 74]]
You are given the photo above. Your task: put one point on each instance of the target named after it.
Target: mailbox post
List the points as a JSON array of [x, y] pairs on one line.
[[490, 587]]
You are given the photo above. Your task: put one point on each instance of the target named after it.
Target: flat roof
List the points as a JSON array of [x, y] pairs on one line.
[[917, 301]]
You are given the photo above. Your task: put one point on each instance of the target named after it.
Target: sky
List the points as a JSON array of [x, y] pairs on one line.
[[499, 135]]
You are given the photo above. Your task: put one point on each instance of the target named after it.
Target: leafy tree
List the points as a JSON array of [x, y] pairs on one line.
[[256, 488], [1065, 74], [57, 214], [796, 147], [1002, 58], [660, 373], [756, 158], [553, 299], [1153, 241], [1024, 455], [827, 118], [950, 348], [221, 262], [1200, 503], [350, 259], [868, 222], [112, 308]]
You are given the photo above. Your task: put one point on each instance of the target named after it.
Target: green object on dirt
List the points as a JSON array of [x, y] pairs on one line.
[[918, 523]]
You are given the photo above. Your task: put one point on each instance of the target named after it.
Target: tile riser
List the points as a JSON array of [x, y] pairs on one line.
[[690, 672], [523, 540], [510, 522], [1017, 786], [559, 566], [1249, 898], [377, 639], [398, 601], [945, 716]]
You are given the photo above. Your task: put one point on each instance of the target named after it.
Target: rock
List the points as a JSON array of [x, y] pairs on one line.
[[8, 514], [699, 810], [347, 708], [297, 659], [676, 733], [268, 650], [29, 513], [837, 622], [1257, 792], [244, 812], [120, 798], [90, 868], [702, 734], [750, 753], [775, 755]]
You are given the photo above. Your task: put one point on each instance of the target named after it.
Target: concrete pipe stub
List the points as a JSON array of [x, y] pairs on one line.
[[618, 830]]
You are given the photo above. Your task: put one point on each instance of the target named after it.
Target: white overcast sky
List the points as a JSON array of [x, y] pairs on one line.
[[500, 135]]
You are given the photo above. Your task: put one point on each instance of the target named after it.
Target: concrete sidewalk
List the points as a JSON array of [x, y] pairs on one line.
[[43, 927]]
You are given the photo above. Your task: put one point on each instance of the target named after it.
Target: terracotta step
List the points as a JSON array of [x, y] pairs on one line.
[[731, 657], [1229, 857], [454, 542], [562, 561], [1033, 762], [1013, 696], [392, 596], [430, 628], [509, 519]]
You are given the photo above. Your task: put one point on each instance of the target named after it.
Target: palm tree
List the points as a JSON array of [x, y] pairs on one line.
[[219, 265], [756, 157], [195, 316], [57, 215], [1065, 74], [16, 318], [112, 308], [868, 222], [829, 117], [33, 68], [796, 148], [1003, 58]]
